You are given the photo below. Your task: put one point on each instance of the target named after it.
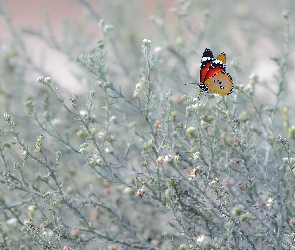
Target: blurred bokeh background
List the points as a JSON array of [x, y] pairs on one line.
[[250, 32]]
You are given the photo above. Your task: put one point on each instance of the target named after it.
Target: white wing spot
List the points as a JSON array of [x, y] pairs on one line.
[[205, 59], [218, 61]]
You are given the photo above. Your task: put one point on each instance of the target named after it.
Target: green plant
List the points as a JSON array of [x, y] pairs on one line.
[[144, 168]]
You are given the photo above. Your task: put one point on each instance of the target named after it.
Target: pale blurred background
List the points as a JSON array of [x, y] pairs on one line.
[[254, 29], [31, 13]]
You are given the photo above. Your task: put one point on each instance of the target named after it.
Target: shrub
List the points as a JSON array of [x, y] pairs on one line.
[[149, 167]]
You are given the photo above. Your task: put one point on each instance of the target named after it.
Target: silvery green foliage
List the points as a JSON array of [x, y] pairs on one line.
[[138, 160]]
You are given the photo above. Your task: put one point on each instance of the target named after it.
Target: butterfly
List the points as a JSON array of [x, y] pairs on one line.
[[213, 76]]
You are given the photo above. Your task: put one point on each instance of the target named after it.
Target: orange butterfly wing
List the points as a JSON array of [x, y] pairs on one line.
[[217, 65], [221, 83]]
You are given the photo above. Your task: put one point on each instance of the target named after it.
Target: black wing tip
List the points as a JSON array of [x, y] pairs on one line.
[[207, 53], [232, 83]]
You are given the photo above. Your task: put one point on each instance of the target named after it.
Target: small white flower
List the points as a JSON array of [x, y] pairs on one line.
[[190, 131], [101, 23], [141, 192], [40, 79], [113, 119], [25, 154], [214, 182], [83, 113], [168, 158], [47, 80], [286, 160], [7, 117], [160, 160], [107, 28], [83, 151], [269, 202], [146, 42], [84, 145], [138, 88], [109, 150], [196, 156], [193, 107], [100, 135], [201, 238]]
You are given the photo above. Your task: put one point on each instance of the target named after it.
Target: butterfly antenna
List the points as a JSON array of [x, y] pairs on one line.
[[191, 83]]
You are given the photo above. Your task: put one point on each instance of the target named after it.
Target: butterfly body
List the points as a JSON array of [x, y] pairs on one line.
[[213, 76]]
